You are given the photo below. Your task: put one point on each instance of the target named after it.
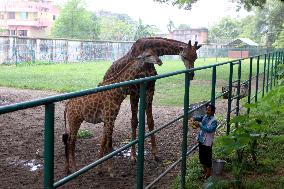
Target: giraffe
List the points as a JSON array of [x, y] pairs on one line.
[[159, 47], [101, 107]]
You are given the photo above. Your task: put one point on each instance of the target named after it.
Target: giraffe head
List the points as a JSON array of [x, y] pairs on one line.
[[149, 56], [188, 55]]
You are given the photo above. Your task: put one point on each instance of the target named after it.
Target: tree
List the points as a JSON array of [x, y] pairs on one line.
[[279, 43], [187, 4], [75, 21], [144, 30], [227, 29], [269, 21], [183, 27], [113, 28]]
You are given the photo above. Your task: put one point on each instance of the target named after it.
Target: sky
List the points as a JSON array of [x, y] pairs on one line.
[[204, 13]]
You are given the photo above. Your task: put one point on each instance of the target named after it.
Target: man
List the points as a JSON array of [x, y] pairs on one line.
[[207, 125]]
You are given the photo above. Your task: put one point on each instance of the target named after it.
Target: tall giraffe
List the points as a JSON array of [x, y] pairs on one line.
[[158, 46], [102, 107]]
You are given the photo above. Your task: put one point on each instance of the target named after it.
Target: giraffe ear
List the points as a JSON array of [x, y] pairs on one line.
[[198, 46], [189, 43]]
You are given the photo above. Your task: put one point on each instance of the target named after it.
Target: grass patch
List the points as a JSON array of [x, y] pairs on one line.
[[84, 133], [79, 76]]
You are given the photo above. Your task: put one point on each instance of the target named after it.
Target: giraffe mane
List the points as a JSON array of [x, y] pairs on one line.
[[111, 79]]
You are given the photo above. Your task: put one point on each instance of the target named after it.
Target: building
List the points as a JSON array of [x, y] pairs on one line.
[[27, 18], [200, 35]]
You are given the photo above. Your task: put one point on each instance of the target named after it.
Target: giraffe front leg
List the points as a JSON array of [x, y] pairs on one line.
[[108, 146], [150, 122], [134, 99]]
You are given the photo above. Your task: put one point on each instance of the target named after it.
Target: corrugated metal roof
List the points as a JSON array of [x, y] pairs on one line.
[[242, 41]]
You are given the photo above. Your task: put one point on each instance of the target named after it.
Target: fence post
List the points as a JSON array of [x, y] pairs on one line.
[[185, 129], [141, 137], [267, 78], [257, 76], [264, 75], [272, 70], [229, 98], [250, 76], [239, 86], [277, 54], [49, 146], [213, 85]]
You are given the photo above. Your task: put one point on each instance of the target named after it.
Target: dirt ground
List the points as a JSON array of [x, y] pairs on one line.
[[21, 150]]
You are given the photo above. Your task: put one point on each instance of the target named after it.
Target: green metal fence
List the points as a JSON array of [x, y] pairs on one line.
[[269, 77]]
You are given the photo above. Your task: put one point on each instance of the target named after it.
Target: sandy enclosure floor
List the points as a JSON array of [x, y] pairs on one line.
[[21, 151]]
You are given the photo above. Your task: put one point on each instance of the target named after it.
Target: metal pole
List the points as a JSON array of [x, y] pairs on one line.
[[141, 135], [49, 146], [250, 76], [229, 98], [257, 76], [264, 74], [277, 55], [185, 129], [267, 78], [213, 85], [239, 86], [272, 71]]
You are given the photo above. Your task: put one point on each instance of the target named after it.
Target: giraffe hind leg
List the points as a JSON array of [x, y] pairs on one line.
[[65, 139]]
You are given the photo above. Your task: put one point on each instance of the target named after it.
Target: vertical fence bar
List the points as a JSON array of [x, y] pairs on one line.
[[250, 76], [272, 71], [267, 78], [256, 79], [141, 135], [229, 98], [213, 85], [185, 129], [49, 146], [239, 86], [264, 75], [275, 67]]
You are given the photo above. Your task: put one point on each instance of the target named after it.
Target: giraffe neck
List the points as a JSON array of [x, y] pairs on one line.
[[129, 72], [160, 46]]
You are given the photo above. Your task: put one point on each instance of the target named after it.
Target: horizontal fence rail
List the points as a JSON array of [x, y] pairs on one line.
[[269, 77]]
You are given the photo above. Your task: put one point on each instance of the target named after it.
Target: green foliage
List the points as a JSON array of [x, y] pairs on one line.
[[279, 42], [187, 4], [116, 28], [75, 22], [84, 133], [144, 30], [269, 21], [227, 29], [183, 27]]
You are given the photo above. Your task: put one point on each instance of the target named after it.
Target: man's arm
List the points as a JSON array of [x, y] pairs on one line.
[[197, 118], [209, 129]]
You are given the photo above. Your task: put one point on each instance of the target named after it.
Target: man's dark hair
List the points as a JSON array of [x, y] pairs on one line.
[[212, 106]]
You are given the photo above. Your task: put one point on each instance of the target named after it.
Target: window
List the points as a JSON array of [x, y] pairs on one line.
[[12, 32], [11, 15], [24, 15], [23, 33]]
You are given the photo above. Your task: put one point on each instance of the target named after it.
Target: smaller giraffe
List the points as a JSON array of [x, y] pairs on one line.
[[101, 107]]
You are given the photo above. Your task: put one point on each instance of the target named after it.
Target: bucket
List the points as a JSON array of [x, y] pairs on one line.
[[217, 166]]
